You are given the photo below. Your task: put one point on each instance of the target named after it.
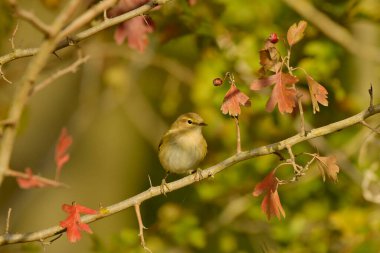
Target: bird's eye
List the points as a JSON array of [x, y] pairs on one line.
[[190, 122]]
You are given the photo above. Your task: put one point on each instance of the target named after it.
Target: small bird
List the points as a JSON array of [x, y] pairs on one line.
[[183, 147]]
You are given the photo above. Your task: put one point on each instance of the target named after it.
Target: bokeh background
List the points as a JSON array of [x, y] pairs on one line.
[[121, 101]]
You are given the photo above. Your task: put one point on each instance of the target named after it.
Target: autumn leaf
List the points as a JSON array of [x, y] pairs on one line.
[[269, 60], [271, 204], [61, 155], [282, 94], [327, 165], [296, 32], [232, 101], [73, 223], [318, 94], [135, 30], [31, 181]]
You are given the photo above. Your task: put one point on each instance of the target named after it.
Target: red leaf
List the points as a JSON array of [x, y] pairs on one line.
[[271, 204], [232, 101], [31, 181], [61, 155], [282, 95], [327, 165], [318, 93], [136, 31], [73, 223], [296, 32]]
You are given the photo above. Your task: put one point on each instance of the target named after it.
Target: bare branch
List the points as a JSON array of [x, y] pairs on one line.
[[30, 17], [188, 180], [71, 68], [141, 228]]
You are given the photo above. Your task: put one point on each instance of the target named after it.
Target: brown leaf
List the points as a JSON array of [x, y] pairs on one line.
[[270, 60], [282, 94], [232, 101], [296, 32], [271, 204], [327, 165], [318, 93]]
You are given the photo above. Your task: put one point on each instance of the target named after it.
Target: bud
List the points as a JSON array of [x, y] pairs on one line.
[[273, 38], [217, 81]]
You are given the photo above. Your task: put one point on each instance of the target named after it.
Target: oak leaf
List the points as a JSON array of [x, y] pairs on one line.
[[232, 101], [318, 94], [282, 93], [61, 149], [31, 181], [271, 204], [73, 223], [327, 165], [296, 32]]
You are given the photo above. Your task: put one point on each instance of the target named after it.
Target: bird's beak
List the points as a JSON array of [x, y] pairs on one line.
[[202, 124]]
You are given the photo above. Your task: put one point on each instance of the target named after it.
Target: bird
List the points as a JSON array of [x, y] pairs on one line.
[[183, 146]]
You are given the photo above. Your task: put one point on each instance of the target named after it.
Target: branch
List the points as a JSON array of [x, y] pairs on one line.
[[71, 68], [74, 39], [334, 31], [30, 17], [188, 180]]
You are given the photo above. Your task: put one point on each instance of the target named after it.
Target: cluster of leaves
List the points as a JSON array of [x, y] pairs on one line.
[[271, 204], [276, 70]]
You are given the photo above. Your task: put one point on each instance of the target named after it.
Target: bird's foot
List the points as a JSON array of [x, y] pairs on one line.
[[164, 187], [198, 175]]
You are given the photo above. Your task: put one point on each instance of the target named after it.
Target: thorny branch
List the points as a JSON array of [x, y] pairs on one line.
[[188, 180], [74, 39], [141, 228]]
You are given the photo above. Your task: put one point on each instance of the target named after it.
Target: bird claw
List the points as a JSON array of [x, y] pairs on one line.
[[163, 186], [198, 175]]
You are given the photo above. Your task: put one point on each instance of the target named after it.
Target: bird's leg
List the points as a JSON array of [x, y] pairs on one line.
[[164, 185]]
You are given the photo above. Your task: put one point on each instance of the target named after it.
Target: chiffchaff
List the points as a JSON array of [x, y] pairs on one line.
[[183, 147]]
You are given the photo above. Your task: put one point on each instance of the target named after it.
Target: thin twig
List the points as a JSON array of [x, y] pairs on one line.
[[292, 159], [370, 127], [188, 180], [71, 68], [12, 39], [370, 91], [3, 75], [302, 117], [8, 221], [141, 228], [238, 141], [30, 17]]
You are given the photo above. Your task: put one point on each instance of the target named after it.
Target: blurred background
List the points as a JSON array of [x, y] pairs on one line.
[[121, 101]]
